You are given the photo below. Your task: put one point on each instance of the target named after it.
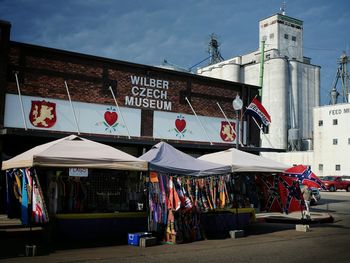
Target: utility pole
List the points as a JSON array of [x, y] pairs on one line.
[[262, 60]]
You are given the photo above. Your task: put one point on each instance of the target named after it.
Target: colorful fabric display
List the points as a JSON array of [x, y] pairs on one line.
[[26, 195], [176, 203], [39, 211], [174, 200], [13, 194]]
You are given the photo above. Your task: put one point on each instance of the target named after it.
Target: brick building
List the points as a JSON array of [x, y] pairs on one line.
[[152, 102], [46, 94]]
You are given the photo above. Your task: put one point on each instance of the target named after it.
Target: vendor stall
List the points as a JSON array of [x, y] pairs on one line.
[[191, 199], [277, 183], [262, 175], [79, 185], [240, 161]]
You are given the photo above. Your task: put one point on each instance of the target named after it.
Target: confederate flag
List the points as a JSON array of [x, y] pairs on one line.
[[269, 187], [291, 196], [304, 175]]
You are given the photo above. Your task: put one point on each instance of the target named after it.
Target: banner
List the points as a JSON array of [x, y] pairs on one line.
[[257, 110]]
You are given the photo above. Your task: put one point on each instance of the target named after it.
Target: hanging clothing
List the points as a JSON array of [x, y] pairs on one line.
[[26, 196], [39, 211], [13, 194], [53, 196], [174, 200]]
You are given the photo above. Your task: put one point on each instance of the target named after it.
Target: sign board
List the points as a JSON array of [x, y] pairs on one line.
[[56, 115], [79, 172], [179, 126]]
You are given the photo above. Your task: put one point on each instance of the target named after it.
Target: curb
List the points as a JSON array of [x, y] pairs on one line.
[[295, 220]]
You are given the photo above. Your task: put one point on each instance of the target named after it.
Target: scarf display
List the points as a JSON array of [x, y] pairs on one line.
[[24, 197], [177, 202]]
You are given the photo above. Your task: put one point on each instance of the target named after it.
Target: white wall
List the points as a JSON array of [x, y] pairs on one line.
[[292, 158], [326, 153], [275, 35]]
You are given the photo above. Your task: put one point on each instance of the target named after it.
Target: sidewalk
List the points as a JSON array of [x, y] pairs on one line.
[[14, 237], [294, 218]]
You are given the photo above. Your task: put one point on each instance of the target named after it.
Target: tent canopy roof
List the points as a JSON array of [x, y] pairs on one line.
[[76, 152], [163, 157], [244, 162]]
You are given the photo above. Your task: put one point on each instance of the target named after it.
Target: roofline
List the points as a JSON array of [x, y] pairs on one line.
[[129, 64], [287, 17]]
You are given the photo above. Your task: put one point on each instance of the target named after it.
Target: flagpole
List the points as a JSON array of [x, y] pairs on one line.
[[260, 128], [116, 104], [247, 107], [71, 105], [199, 120], [261, 74], [229, 123], [20, 101]]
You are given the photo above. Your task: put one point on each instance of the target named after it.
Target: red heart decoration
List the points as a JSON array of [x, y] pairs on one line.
[[111, 117], [180, 124]]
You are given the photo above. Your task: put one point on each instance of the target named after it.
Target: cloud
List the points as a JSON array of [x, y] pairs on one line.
[[146, 32]]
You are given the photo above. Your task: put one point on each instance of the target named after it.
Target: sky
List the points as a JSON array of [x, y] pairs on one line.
[[149, 31]]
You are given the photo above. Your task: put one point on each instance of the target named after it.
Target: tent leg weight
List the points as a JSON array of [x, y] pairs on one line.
[[30, 250]]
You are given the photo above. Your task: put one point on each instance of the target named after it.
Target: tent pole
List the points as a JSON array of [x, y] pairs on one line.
[[260, 128]]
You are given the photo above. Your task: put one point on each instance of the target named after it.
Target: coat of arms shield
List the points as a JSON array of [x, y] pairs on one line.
[[42, 114], [226, 132]]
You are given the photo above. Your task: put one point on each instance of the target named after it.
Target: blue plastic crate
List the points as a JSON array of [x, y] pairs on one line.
[[134, 238]]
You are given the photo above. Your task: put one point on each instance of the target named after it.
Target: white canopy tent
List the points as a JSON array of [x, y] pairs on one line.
[[76, 152], [244, 162], [163, 157]]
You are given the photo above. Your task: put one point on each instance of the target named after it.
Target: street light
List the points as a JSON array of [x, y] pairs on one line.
[[237, 104]]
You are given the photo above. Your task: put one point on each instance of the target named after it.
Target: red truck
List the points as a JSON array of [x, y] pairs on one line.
[[333, 183]]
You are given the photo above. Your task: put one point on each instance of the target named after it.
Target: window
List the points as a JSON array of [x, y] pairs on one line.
[[286, 36], [337, 167], [320, 123], [294, 38], [335, 141], [348, 140], [335, 121], [264, 38], [320, 167], [272, 35]]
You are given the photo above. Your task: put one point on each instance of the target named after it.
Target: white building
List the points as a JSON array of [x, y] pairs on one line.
[[331, 125], [291, 84], [332, 140]]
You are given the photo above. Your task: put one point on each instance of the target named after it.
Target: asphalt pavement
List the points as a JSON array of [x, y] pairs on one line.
[[273, 238]]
